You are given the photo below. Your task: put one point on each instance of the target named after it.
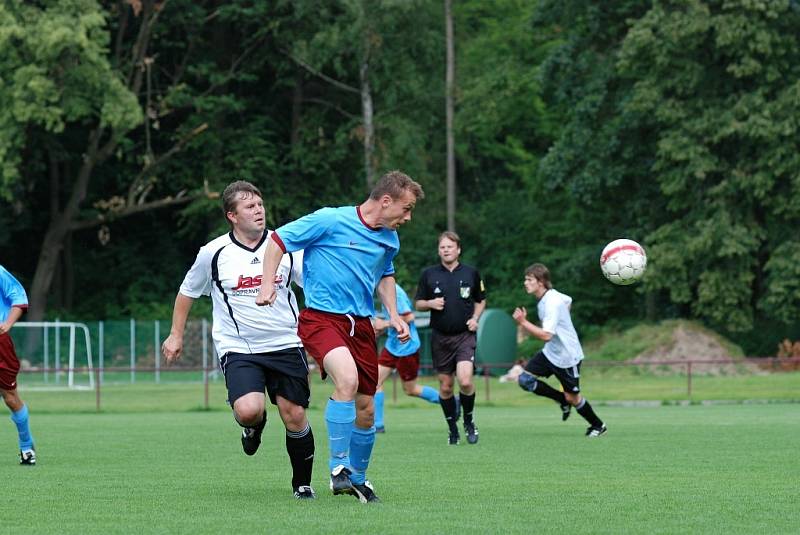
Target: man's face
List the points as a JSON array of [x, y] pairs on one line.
[[396, 212], [449, 251], [248, 216], [531, 284]]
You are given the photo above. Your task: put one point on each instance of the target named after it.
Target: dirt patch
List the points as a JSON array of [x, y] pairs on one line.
[[688, 344]]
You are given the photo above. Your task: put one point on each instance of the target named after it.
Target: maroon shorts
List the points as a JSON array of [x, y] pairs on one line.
[[322, 332], [407, 367], [9, 363]]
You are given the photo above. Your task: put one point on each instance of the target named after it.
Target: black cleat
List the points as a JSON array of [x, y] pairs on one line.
[[340, 481], [380, 429], [594, 432], [27, 458], [365, 493], [566, 410], [251, 436], [304, 492], [471, 432], [453, 439]]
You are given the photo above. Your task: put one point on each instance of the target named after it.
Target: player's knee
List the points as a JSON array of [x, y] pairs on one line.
[[293, 416], [527, 382]]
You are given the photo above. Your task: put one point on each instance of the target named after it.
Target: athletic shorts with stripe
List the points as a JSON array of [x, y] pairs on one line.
[[321, 332], [9, 363], [569, 378], [282, 373]]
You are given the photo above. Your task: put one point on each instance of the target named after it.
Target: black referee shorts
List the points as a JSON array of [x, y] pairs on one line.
[[282, 373]]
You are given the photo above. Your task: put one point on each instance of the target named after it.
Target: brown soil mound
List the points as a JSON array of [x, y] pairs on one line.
[[690, 344]]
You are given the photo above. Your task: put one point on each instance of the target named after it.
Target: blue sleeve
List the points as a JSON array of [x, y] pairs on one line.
[[302, 232], [12, 289], [389, 266], [403, 303]]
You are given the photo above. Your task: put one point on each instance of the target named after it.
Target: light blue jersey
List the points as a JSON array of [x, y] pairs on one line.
[[344, 258], [11, 294], [393, 344]]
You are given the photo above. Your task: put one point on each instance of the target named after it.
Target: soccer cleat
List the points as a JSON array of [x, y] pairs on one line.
[[304, 492], [471, 432], [594, 432], [27, 458], [365, 493], [251, 436], [380, 429], [566, 410], [453, 439], [340, 481]]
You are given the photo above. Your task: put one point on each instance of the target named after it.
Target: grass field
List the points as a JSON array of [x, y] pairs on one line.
[[151, 464]]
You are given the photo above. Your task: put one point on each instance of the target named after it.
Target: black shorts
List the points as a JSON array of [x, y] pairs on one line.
[[283, 373], [569, 378], [447, 350]]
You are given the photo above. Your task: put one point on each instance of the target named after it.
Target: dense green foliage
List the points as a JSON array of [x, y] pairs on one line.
[[671, 123]]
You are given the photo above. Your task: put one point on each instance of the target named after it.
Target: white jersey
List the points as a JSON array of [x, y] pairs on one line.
[[564, 348], [231, 273]]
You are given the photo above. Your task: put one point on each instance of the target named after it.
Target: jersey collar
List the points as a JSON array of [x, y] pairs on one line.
[[246, 248]]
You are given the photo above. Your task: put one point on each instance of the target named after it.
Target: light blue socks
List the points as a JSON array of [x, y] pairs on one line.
[[20, 418]]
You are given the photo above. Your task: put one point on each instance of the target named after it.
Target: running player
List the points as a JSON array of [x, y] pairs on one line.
[[259, 348], [13, 302], [349, 253], [403, 357], [562, 352]]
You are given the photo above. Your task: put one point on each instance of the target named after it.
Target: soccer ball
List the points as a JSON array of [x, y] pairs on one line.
[[623, 262]]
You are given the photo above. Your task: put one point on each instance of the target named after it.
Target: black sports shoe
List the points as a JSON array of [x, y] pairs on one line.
[[27, 458], [566, 410], [365, 493], [594, 432], [251, 436], [453, 439], [380, 429], [340, 481], [304, 492], [472, 433]]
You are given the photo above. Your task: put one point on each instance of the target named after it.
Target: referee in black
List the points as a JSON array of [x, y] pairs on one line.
[[454, 294]]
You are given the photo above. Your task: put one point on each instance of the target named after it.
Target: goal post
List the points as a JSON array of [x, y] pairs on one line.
[[57, 327]]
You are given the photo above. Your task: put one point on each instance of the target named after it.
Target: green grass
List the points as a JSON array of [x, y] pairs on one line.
[[666, 469]]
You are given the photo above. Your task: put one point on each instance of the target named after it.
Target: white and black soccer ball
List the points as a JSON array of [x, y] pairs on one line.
[[623, 262]]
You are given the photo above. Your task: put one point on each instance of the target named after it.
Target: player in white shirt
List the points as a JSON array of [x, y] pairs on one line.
[[258, 347], [562, 353]]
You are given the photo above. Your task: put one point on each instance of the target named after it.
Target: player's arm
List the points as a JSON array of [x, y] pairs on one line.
[[520, 316], [13, 315], [272, 259], [173, 345], [388, 295], [472, 323]]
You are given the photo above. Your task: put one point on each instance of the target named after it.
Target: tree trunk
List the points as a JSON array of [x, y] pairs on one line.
[[369, 128], [59, 229], [449, 83]]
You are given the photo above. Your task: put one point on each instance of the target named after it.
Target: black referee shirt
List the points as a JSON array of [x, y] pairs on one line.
[[461, 289]]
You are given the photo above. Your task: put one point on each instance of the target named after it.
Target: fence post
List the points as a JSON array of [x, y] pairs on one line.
[[689, 378], [101, 346], [205, 363], [46, 355], [58, 352], [156, 352], [98, 378], [133, 350]]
